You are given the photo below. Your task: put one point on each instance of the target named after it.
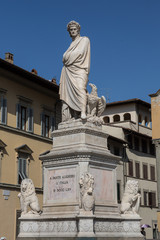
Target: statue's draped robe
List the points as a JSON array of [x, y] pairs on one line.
[[74, 75]]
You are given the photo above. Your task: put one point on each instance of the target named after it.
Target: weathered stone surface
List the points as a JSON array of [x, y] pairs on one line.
[[74, 75], [28, 198], [86, 191], [131, 199], [79, 148]]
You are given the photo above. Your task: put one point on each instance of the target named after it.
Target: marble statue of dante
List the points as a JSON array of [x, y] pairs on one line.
[[74, 75]]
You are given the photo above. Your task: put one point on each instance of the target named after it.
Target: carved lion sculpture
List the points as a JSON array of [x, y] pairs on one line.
[[28, 197], [86, 185], [131, 198]]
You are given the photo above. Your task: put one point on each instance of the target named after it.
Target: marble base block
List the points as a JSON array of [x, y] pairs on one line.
[[86, 226], [80, 227], [79, 147]]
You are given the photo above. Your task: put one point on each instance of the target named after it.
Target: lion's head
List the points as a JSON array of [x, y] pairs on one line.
[[131, 187], [27, 187]]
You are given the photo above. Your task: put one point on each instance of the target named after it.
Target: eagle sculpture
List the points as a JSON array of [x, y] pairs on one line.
[[95, 104]]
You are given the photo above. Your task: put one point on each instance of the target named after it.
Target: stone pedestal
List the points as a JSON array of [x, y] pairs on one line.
[[86, 225], [79, 147]]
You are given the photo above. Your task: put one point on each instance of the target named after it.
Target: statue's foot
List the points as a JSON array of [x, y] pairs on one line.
[[83, 116]]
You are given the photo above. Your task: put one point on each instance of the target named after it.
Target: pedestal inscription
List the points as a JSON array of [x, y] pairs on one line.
[[61, 184]]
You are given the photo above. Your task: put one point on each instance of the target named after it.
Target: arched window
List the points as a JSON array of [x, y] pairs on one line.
[[116, 118], [127, 116], [106, 119]]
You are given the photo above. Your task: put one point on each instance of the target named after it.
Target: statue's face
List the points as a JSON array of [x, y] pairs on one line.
[[73, 31]]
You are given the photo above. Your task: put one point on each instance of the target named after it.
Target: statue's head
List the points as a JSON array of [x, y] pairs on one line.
[[73, 28], [27, 186]]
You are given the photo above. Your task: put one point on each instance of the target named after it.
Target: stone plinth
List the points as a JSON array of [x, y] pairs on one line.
[[79, 147], [74, 228]]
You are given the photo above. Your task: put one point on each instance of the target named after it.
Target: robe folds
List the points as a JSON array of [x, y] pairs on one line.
[[74, 75]]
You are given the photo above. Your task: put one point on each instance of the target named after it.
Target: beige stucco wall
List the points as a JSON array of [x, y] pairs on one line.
[[8, 213], [40, 97], [155, 109], [9, 162], [121, 110]]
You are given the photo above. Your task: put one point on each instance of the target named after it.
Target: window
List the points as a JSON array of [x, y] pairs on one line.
[[144, 146], [145, 171], [152, 173], [106, 119], [24, 117], [127, 116], [145, 198], [47, 124], [137, 168], [136, 143], [116, 118], [152, 199], [149, 199], [22, 169], [130, 168], [3, 110]]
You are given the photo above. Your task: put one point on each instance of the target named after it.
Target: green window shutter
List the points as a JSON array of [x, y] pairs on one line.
[[18, 115], [42, 124], [52, 124], [3, 110], [30, 119]]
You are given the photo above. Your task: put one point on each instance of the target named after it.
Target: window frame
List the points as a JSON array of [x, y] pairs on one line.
[[22, 169], [130, 169], [106, 119], [145, 165], [152, 199], [145, 197], [3, 107], [51, 123], [127, 116], [154, 175], [23, 111], [26, 105], [137, 175], [116, 118]]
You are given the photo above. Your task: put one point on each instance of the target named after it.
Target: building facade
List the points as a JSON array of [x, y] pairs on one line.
[[29, 113], [155, 111], [128, 124]]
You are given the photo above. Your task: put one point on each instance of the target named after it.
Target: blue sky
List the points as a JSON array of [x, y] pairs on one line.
[[124, 35]]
